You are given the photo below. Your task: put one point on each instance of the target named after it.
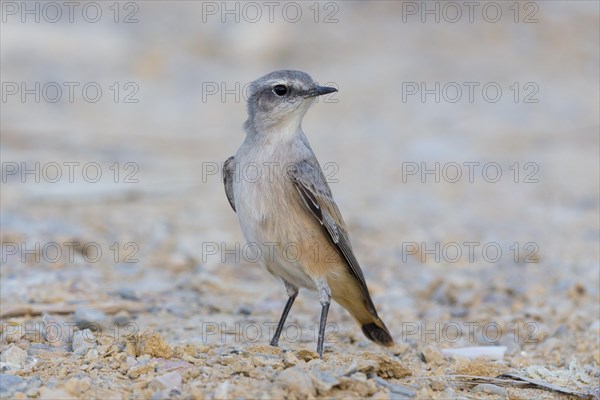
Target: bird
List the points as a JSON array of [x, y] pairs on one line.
[[289, 212]]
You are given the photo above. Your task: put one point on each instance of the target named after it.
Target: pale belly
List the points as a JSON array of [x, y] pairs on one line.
[[272, 222]]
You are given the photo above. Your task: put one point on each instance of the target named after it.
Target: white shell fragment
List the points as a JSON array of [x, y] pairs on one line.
[[492, 352]]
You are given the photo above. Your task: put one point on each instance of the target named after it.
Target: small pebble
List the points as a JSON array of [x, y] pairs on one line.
[[77, 386], [89, 318], [121, 318], [14, 355], [91, 355], [9, 384], [83, 340], [168, 381], [432, 355], [150, 343], [323, 380], [47, 393], [490, 389], [307, 355], [359, 376], [290, 359], [296, 381], [57, 331], [140, 369], [244, 310], [127, 293], [394, 388], [438, 385], [222, 391]]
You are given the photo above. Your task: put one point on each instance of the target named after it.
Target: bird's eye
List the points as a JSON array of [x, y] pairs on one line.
[[280, 90]]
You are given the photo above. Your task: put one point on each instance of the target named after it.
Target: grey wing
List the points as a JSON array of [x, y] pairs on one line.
[[228, 176], [310, 182]]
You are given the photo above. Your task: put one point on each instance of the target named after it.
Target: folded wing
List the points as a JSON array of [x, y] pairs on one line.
[[312, 187], [228, 176]]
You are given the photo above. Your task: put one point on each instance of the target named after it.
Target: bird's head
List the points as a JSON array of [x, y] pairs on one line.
[[279, 100]]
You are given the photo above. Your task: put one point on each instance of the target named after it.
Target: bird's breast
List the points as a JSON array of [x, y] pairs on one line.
[[262, 196]]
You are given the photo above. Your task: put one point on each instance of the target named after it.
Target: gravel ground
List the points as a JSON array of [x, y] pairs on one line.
[[136, 283]]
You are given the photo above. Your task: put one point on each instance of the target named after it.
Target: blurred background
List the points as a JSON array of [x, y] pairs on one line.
[[458, 131]]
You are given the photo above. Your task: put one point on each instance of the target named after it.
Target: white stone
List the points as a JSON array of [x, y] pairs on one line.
[[14, 355], [83, 340]]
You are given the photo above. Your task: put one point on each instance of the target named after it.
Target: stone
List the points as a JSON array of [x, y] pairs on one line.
[[121, 318], [77, 386], [168, 381], [172, 365], [33, 386], [323, 381], [14, 355], [359, 376], [488, 388], [42, 350], [89, 318], [392, 387], [495, 353], [57, 331], [437, 385], [152, 344], [296, 381], [222, 391], [141, 368], [91, 355], [83, 341], [363, 389], [196, 392], [262, 349], [47, 393], [388, 367], [290, 359], [127, 293], [432, 355], [307, 355], [263, 360], [9, 384], [363, 365]]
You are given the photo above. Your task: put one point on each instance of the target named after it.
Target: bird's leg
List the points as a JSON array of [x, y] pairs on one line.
[[325, 299], [292, 292]]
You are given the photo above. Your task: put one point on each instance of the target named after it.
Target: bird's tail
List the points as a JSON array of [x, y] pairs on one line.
[[378, 332], [360, 306]]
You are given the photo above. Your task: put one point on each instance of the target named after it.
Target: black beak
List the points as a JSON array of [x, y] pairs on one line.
[[319, 91]]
